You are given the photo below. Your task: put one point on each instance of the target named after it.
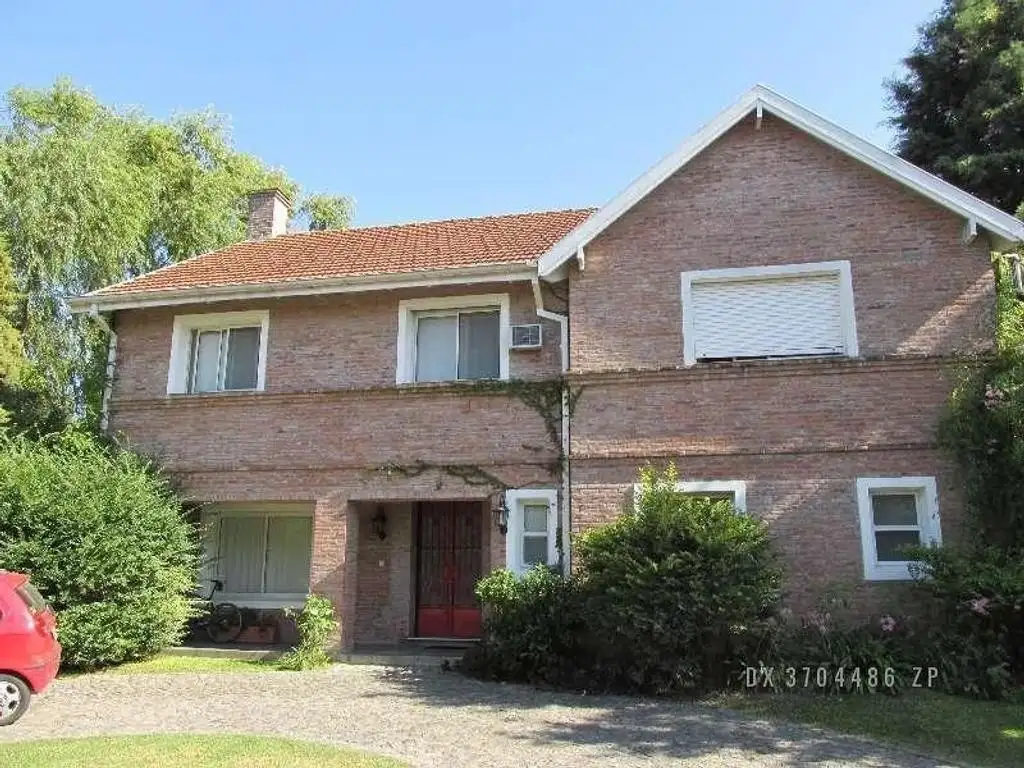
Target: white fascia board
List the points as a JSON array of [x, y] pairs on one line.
[[501, 273], [1005, 227]]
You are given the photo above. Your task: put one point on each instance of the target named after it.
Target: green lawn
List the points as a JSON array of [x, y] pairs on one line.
[[963, 730], [192, 751], [173, 663]]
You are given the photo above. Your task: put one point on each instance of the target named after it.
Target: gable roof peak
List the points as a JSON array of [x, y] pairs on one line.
[[1005, 229]]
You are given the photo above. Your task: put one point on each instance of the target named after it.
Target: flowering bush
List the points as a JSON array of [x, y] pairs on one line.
[[976, 601]]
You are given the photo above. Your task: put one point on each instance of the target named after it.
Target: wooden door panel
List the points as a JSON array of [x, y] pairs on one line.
[[449, 563]]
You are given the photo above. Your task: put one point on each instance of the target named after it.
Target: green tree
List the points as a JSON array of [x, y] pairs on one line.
[[12, 358], [105, 539], [326, 212], [91, 195], [959, 108]]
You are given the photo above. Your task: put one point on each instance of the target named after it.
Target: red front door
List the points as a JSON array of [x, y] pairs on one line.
[[449, 564]]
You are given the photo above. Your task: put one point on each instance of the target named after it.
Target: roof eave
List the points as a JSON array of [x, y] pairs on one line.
[[491, 273]]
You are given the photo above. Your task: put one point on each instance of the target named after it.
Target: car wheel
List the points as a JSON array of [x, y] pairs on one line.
[[14, 698]]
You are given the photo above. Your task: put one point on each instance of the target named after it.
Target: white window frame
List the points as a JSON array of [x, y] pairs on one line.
[[181, 342], [212, 545], [410, 309], [841, 268], [738, 489], [929, 524], [515, 501]]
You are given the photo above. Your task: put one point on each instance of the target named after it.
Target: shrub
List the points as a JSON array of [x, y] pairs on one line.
[[976, 600], [662, 600], [316, 624], [831, 651], [104, 539], [535, 629], [671, 588]]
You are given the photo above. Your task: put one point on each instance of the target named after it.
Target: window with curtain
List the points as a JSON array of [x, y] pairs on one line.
[[265, 554], [458, 345], [224, 359]]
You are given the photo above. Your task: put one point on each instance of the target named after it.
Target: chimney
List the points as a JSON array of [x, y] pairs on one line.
[[268, 214]]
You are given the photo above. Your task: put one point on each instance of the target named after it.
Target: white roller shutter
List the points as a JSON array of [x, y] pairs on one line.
[[767, 317]]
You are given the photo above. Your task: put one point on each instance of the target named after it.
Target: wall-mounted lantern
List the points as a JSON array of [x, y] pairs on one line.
[[500, 512], [379, 524]]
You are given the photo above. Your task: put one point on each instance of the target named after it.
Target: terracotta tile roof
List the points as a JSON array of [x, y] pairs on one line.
[[512, 239]]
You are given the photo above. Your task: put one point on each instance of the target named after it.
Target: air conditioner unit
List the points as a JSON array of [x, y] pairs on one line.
[[526, 336]]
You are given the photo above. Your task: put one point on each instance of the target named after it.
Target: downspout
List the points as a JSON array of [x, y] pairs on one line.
[[108, 376], [566, 508]]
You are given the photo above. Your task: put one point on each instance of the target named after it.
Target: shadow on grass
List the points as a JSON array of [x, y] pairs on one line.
[[642, 727]]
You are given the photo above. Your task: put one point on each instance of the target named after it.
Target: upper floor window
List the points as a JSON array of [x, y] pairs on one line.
[[454, 338], [794, 310], [218, 352], [895, 513]]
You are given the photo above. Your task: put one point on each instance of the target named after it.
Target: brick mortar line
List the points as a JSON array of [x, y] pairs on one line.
[[806, 451]]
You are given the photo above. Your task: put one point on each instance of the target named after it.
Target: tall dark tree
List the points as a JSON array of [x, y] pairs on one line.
[[959, 109]]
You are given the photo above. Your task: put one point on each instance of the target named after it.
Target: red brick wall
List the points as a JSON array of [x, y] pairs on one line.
[[318, 343], [777, 196], [798, 432]]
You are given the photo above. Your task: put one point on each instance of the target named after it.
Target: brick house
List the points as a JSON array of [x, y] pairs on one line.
[[776, 307]]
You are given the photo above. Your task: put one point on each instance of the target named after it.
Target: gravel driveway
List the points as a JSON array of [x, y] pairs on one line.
[[433, 719]]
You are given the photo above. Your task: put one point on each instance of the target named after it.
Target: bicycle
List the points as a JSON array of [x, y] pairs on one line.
[[222, 621]]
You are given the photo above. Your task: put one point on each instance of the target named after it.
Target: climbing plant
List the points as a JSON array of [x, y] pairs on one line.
[[543, 396], [984, 426]]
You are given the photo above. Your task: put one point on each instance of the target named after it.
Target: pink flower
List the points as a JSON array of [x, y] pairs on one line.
[[819, 621], [994, 396], [888, 624], [980, 606]]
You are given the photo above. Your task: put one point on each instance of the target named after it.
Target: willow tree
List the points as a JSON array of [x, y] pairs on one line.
[[91, 194]]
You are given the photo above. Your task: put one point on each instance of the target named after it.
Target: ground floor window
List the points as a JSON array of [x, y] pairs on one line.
[[734, 491], [532, 529], [895, 512], [262, 557]]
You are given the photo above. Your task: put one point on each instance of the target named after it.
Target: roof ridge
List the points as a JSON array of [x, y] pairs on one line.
[[456, 220]]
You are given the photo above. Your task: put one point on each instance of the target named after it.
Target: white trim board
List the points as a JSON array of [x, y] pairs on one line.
[[1006, 229], [181, 337], [489, 273], [928, 523], [738, 489], [515, 500]]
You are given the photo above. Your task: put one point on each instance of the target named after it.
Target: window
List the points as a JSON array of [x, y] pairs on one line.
[[532, 529], [733, 490], [453, 339], [795, 310], [263, 558], [895, 512], [218, 352]]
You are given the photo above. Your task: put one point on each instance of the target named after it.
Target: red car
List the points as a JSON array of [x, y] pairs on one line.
[[29, 651]]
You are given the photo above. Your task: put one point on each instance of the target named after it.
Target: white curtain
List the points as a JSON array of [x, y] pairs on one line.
[[241, 553], [435, 348], [289, 543], [478, 345], [206, 360]]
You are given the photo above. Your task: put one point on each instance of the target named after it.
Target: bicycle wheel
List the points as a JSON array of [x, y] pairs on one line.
[[225, 623]]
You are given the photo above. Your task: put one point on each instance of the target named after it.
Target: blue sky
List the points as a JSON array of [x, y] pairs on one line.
[[444, 109]]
